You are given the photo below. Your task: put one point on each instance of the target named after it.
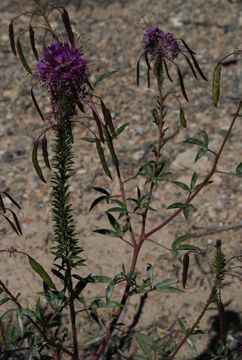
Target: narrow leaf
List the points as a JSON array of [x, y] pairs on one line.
[[102, 158], [11, 37], [22, 57], [101, 190], [101, 279], [148, 69], [146, 343], [16, 222], [36, 163], [179, 240], [67, 24], [109, 140], [103, 76], [239, 170], [183, 120], [11, 199], [201, 153], [182, 84], [2, 206], [12, 224], [167, 288], [99, 125], [121, 128], [182, 185], [32, 42], [108, 118], [96, 201], [41, 272], [216, 84]]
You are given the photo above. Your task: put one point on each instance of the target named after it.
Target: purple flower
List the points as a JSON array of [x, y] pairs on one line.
[[158, 44], [63, 69]]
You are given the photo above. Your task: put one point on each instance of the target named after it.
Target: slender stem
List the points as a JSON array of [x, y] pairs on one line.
[[199, 318], [205, 181], [118, 312]]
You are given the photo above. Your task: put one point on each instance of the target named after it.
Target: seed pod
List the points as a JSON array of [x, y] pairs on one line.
[[66, 21], [32, 42], [185, 269], [11, 37]]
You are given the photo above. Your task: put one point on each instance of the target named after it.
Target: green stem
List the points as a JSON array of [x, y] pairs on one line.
[[62, 213]]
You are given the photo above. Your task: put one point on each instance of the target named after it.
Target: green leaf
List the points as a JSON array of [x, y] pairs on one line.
[[177, 205], [179, 240], [182, 185], [108, 119], [183, 120], [22, 57], [194, 141], [107, 232], [103, 76], [97, 201], [201, 153], [88, 139], [101, 190], [147, 344], [205, 137], [41, 272], [188, 247], [121, 128], [93, 340], [167, 288], [216, 84], [101, 279], [36, 163], [109, 292], [109, 140], [239, 170], [102, 158], [193, 181]]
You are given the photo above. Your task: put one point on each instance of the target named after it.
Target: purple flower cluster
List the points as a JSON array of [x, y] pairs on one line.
[[158, 44], [63, 69]]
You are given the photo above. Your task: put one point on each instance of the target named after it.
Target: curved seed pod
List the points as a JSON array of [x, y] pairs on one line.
[[32, 42], [11, 37], [67, 24], [45, 154], [36, 104], [36, 163], [185, 269], [191, 66], [22, 57], [216, 84], [182, 84], [167, 71]]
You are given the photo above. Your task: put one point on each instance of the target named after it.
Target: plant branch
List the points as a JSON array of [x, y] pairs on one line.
[[205, 181]]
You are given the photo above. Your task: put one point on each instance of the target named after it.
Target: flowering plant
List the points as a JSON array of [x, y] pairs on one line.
[[53, 332]]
